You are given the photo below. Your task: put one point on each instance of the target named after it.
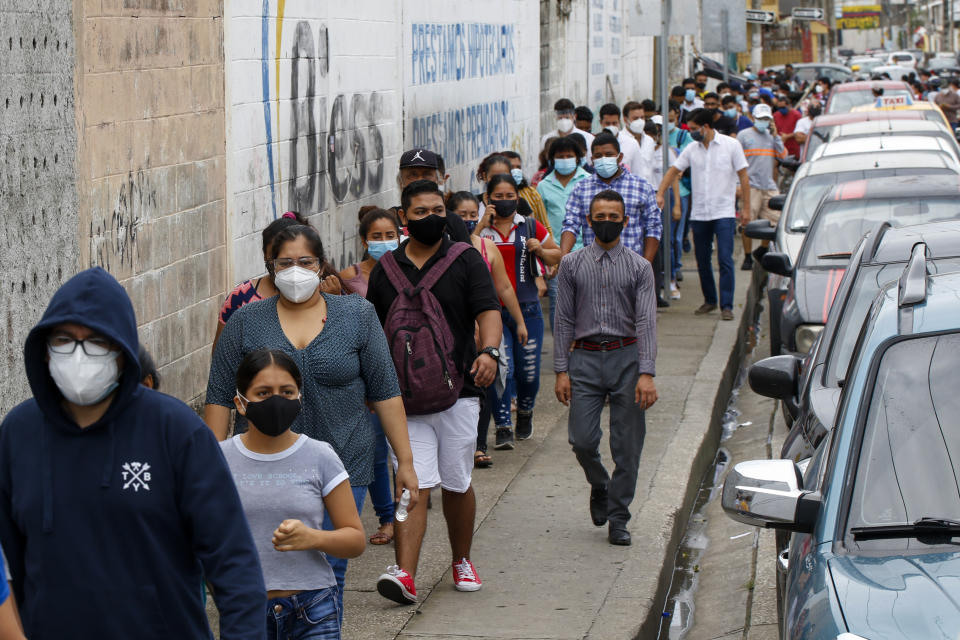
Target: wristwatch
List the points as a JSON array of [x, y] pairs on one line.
[[493, 352]]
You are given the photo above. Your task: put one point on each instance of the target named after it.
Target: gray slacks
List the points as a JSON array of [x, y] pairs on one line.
[[595, 375]]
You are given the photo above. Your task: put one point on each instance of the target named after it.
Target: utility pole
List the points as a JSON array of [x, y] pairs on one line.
[[950, 44], [828, 8], [756, 40]]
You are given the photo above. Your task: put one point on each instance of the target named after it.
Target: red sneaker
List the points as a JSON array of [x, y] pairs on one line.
[[397, 585], [465, 576]]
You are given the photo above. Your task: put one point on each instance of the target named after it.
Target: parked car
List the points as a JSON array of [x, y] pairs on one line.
[[891, 71], [862, 66], [844, 97], [903, 59], [812, 181], [875, 128], [875, 515], [824, 125], [843, 216], [810, 71], [929, 110]]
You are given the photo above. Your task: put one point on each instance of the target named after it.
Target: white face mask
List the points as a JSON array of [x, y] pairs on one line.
[[564, 125], [636, 126], [614, 129], [84, 380], [297, 284]]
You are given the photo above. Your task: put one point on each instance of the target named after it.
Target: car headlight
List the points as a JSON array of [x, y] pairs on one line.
[[806, 335]]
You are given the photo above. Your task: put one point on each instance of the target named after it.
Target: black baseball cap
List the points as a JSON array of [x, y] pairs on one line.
[[419, 158]]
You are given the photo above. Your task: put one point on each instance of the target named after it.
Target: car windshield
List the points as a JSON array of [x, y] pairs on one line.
[[845, 101], [840, 224], [870, 279], [901, 57], [910, 457]]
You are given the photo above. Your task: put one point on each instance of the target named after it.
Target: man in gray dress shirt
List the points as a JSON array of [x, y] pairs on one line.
[[605, 345]]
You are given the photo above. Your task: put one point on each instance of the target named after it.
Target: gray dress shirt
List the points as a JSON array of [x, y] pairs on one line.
[[606, 294]]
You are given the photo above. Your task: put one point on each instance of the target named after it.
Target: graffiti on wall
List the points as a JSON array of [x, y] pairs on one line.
[[461, 51], [113, 239], [464, 134]]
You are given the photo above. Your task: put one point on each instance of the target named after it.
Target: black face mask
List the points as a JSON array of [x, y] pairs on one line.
[[505, 208], [273, 416], [471, 225], [427, 230], [606, 230]]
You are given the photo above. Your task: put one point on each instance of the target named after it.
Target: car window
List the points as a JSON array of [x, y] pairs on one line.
[[836, 74], [845, 101], [839, 226], [807, 74], [910, 456], [818, 137]]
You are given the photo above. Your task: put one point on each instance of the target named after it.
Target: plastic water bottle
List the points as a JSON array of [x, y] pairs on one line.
[[401, 514]]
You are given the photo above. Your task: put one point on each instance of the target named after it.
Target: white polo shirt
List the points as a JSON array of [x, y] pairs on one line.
[[638, 157], [713, 173]]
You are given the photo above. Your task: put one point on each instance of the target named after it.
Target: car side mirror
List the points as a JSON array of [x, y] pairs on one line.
[[778, 263], [767, 493], [776, 202], [775, 377], [760, 230]]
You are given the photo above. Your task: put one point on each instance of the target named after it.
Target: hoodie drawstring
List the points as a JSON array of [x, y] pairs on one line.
[[46, 480]]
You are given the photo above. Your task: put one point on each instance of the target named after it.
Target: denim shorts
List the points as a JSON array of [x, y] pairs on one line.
[[305, 615]]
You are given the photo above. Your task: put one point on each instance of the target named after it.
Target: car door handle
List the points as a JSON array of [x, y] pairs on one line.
[[783, 561]]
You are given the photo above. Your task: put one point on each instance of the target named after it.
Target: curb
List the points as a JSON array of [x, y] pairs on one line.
[[638, 598]]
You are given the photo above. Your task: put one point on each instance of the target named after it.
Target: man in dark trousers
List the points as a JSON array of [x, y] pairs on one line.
[[605, 345], [115, 500]]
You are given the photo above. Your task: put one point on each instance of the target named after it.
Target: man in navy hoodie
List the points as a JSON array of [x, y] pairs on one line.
[[115, 500]]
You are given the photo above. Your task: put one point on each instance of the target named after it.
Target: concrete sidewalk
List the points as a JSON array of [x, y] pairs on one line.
[[547, 571]]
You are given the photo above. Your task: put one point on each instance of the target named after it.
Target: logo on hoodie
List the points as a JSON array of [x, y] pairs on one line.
[[136, 475]]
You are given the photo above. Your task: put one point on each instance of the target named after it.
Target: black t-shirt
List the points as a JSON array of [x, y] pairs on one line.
[[464, 292]]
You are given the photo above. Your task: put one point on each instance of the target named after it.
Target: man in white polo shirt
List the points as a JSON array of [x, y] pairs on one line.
[[716, 162]]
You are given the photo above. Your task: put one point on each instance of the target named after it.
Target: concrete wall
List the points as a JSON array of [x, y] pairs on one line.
[[324, 96], [38, 197], [150, 172]]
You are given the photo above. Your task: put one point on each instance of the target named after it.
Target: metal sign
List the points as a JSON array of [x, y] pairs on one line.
[[760, 17], [644, 17], [714, 27], [893, 102], [807, 13]]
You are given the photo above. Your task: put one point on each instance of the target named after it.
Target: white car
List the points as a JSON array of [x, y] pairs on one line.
[[895, 71], [903, 59]]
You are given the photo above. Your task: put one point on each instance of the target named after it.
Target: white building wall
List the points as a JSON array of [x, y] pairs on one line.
[[323, 96]]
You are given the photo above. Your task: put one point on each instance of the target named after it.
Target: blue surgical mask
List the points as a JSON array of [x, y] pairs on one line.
[[471, 225], [730, 113], [377, 248], [565, 166], [606, 167], [517, 175], [762, 125], [671, 126], [690, 95]]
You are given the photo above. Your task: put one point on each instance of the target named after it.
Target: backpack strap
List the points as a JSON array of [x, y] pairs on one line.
[[534, 262], [396, 277], [441, 266]]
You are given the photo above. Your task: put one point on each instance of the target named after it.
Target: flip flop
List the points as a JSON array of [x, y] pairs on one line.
[[481, 460], [381, 537]]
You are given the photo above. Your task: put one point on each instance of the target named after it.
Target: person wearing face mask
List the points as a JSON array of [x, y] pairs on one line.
[[805, 124], [443, 439], [646, 161], [466, 205], [717, 165], [530, 202], [678, 140], [422, 164], [524, 244], [731, 110], [566, 114], [949, 101], [527, 192], [643, 226], [633, 158], [113, 497], [605, 347], [286, 516], [786, 118], [690, 100], [555, 189], [263, 287], [339, 346], [763, 149]]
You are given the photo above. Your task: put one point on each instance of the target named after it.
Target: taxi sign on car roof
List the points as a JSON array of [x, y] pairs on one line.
[[901, 100]]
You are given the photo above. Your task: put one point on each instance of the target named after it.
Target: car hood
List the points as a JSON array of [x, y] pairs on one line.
[[899, 597], [814, 290]]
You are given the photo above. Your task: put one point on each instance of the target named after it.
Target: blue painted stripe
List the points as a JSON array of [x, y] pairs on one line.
[[265, 72]]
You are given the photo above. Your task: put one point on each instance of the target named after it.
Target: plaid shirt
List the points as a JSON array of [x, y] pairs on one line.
[[641, 208]]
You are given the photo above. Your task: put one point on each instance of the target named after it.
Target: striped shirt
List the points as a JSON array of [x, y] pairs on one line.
[[762, 150], [605, 294], [641, 208]]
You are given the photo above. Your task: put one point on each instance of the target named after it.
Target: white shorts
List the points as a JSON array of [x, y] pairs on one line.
[[443, 444]]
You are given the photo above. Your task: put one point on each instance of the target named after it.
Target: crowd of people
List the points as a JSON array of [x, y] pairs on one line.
[[381, 377]]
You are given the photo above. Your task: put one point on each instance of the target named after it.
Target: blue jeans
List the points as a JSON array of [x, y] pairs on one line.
[[339, 565], [380, 493], [703, 232], [305, 615], [676, 239], [524, 362]]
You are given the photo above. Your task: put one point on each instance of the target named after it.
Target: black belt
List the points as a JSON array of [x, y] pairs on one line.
[[605, 345]]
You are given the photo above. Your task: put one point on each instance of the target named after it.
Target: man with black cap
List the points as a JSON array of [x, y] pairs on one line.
[[422, 164]]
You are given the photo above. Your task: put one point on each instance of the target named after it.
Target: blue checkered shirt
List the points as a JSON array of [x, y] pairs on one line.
[[641, 208]]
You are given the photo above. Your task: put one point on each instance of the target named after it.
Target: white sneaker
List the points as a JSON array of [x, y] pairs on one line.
[[674, 291], [465, 576]]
